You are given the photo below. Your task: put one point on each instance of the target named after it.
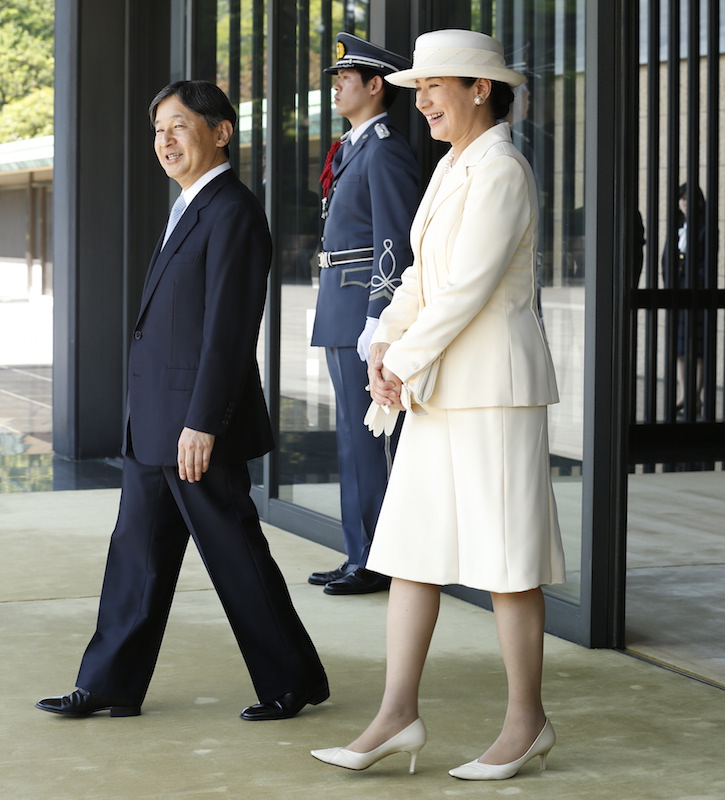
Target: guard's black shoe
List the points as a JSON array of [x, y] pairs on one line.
[[361, 581], [323, 578]]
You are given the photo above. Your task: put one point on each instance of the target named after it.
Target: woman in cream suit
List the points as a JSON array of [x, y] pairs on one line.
[[470, 499]]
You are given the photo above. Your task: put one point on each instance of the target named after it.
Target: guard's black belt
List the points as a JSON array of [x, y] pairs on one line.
[[334, 258]]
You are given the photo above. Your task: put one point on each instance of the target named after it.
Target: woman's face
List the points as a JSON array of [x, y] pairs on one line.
[[448, 106], [683, 205]]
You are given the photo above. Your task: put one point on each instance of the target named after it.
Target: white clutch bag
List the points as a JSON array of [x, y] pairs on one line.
[[420, 386]]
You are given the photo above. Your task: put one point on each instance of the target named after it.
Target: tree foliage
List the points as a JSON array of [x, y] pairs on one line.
[[28, 117], [26, 67]]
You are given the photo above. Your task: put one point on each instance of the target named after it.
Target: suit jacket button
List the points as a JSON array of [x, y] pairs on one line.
[[137, 335]]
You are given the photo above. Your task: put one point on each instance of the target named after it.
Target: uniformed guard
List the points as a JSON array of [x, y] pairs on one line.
[[370, 192]]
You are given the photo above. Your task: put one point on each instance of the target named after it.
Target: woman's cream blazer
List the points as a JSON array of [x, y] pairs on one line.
[[480, 257]]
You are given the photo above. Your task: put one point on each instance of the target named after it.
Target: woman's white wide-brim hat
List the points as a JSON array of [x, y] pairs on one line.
[[458, 54]]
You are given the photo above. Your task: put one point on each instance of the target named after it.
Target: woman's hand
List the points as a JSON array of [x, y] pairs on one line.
[[385, 385]]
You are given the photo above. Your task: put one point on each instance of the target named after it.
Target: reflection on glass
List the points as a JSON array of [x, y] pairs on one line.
[[672, 380], [240, 59], [675, 508], [545, 41], [307, 450]]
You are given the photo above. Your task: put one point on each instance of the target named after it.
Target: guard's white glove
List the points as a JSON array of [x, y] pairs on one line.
[[363, 341], [381, 419]]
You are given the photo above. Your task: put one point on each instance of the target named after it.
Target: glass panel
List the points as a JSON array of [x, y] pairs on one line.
[[676, 506], [307, 450], [545, 40], [240, 60]]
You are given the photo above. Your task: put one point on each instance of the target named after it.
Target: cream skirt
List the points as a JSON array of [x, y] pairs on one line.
[[470, 502]]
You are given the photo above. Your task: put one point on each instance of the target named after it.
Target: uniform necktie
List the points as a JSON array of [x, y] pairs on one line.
[[344, 150], [176, 211]]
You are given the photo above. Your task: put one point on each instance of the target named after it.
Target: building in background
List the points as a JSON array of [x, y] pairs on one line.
[[26, 199]]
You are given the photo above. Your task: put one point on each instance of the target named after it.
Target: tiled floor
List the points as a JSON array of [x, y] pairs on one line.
[[626, 730]]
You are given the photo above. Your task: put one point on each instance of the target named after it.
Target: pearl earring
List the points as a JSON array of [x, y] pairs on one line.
[[478, 100]]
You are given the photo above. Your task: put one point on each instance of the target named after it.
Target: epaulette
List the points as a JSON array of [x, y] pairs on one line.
[[382, 130]]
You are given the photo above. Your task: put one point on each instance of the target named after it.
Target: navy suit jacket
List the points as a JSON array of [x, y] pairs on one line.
[[371, 204], [193, 353]]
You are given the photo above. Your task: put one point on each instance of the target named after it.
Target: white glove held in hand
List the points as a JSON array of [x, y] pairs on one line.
[[381, 419], [363, 341]]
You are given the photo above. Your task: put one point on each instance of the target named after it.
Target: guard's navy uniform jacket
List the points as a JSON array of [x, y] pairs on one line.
[[365, 247], [370, 207]]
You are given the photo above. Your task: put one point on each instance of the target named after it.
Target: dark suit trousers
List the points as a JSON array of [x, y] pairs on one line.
[[156, 515], [363, 460]]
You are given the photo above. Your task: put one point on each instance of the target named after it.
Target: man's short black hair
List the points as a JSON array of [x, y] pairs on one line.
[[202, 97], [390, 92]]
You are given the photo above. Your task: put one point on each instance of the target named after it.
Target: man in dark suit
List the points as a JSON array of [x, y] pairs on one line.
[[371, 191], [195, 416]]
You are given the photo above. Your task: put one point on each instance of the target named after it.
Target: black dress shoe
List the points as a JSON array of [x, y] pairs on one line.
[[323, 578], [81, 703], [288, 705], [361, 581]]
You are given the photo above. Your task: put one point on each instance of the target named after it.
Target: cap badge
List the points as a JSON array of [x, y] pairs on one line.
[[340, 48]]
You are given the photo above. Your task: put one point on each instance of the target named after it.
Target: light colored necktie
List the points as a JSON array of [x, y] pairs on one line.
[[343, 152], [176, 211]]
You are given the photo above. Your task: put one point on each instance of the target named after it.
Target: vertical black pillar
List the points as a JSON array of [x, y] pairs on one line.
[[422, 16], [108, 54], [203, 18], [280, 91], [88, 239], [146, 187], [611, 70], [390, 28]]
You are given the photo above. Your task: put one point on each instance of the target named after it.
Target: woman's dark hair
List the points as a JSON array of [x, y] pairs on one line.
[[202, 97], [390, 92], [500, 98], [699, 200]]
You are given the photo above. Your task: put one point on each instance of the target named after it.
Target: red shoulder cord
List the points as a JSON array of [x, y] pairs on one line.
[[326, 176]]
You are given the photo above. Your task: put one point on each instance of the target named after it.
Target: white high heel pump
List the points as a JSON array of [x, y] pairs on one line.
[[478, 771], [409, 740]]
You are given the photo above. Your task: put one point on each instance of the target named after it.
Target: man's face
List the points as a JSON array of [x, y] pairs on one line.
[[185, 145], [351, 97]]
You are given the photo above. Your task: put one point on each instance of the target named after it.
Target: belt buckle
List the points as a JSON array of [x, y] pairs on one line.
[[323, 258]]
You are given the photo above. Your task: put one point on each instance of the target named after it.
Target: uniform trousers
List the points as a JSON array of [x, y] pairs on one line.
[[157, 513], [364, 461]]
